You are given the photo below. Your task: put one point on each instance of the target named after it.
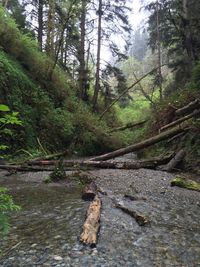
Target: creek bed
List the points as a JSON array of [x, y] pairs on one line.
[[49, 225]]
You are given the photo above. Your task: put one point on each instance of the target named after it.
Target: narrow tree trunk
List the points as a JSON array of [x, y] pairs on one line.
[[40, 23], [144, 144], [82, 72], [50, 28], [5, 4], [97, 81], [159, 49], [128, 126]]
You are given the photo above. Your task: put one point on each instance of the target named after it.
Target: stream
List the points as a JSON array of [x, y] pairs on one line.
[[46, 231]]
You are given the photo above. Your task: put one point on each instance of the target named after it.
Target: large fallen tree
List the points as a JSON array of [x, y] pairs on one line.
[[144, 144], [67, 165]]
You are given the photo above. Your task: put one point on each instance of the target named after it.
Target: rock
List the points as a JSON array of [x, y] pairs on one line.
[[57, 258]]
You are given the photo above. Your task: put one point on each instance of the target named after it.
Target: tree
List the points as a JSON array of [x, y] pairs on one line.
[[112, 14], [179, 21]]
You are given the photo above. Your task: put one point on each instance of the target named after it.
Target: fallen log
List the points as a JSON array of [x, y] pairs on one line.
[[174, 123], [140, 218], [144, 144], [92, 223], [67, 165], [128, 126], [89, 191], [188, 108], [174, 161], [188, 184]]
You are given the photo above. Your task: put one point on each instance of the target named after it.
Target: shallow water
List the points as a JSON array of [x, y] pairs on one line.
[[49, 225]]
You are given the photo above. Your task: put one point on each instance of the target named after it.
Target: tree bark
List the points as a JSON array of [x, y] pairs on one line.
[[97, 81], [144, 144], [82, 72], [40, 23], [92, 223], [174, 123]]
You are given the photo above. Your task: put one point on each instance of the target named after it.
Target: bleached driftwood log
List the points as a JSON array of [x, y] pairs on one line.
[[92, 223]]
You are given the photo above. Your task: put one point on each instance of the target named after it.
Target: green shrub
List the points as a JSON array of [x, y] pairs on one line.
[[6, 207]]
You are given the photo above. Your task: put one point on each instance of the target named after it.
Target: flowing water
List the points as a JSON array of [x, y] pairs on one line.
[[46, 231]]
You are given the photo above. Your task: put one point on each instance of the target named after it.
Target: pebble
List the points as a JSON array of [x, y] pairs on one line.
[[57, 258]]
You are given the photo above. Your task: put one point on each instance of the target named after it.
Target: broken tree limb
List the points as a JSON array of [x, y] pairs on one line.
[[176, 122], [51, 156], [92, 223], [188, 108], [140, 218], [128, 126], [90, 191], [125, 91], [144, 144], [174, 161]]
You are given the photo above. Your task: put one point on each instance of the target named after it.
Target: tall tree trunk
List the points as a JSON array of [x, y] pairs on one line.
[[187, 34], [97, 82], [159, 49], [40, 23], [82, 72], [50, 28]]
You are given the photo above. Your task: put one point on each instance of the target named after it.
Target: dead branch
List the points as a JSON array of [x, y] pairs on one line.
[[128, 126], [140, 218]]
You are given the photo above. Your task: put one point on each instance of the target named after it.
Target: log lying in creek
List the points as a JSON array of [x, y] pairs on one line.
[[140, 218], [144, 144], [67, 165], [92, 223]]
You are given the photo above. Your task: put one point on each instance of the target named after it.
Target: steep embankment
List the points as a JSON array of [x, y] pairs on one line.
[[45, 99]]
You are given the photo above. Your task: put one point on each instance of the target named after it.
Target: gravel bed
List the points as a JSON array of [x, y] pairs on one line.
[[46, 231]]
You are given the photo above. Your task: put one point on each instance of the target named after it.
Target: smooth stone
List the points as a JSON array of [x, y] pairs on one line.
[[57, 258]]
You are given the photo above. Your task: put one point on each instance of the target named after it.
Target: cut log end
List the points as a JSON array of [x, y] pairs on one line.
[[89, 192]]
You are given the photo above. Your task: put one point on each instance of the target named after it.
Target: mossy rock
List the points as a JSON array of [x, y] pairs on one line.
[[188, 184]]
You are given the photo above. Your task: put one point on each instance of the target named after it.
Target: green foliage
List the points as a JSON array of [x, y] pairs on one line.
[[57, 174], [7, 120], [6, 207]]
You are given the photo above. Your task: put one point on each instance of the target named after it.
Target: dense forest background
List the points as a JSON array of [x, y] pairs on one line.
[[64, 63]]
